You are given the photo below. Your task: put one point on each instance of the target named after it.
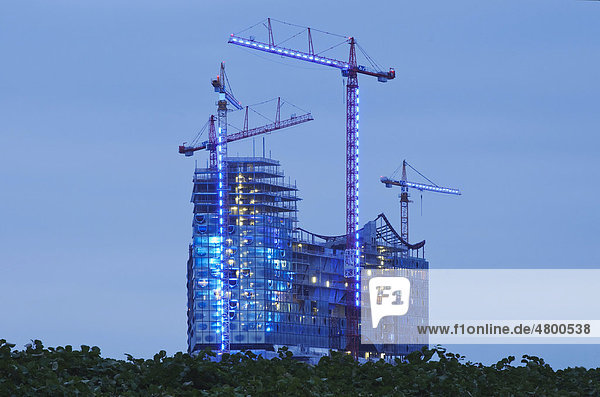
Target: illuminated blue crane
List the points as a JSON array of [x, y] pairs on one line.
[[404, 196], [349, 69]]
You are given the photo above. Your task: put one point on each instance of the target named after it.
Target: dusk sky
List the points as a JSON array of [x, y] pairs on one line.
[[497, 98]]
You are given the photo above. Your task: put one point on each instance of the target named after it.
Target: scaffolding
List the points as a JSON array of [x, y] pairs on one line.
[[258, 247]]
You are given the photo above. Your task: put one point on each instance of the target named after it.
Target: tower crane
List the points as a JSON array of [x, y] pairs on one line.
[[349, 69], [404, 196], [217, 145]]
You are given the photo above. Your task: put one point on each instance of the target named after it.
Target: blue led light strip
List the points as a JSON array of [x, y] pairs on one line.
[[430, 188], [356, 223], [222, 288], [421, 186], [286, 52], [220, 181]]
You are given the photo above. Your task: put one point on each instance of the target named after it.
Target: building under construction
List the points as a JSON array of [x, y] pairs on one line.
[[286, 285], [258, 281]]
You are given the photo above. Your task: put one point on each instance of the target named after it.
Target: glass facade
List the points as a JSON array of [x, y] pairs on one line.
[[258, 248], [287, 286]]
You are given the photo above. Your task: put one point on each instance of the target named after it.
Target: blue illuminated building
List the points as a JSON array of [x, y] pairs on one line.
[[286, 284]]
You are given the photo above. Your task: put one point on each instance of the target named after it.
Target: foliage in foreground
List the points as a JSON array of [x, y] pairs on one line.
[[60, 371]]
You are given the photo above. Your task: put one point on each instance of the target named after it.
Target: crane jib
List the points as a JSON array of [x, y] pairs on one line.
[[345, 67], [420, 186], [265, 129]]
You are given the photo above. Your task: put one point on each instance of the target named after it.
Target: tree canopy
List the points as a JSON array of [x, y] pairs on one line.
[[40, 371]]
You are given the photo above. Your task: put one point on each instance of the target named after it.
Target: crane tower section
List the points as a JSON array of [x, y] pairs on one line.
[[223, 206]]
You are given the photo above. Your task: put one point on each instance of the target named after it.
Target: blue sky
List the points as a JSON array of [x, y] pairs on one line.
[[497, 98]]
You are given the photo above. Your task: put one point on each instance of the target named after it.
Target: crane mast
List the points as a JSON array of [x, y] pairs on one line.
[[404, 205], [350, 70], [223, 205], [352, 253], [212, 138]]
